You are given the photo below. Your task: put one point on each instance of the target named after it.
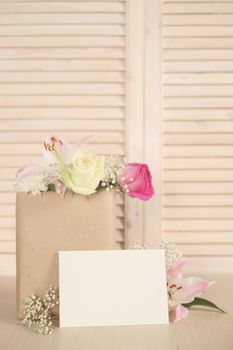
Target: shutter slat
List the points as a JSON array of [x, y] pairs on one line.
[[198, 188], [62, 101], [201, 102], [63, 41], [63, 7], [192, 90], [65, 29], [62, 65], [62, 125], [200, 237], [197, 225], [62, 18], [40, 77], [62, 89], [204, 163], [60, 52], [53, 113], [201, 66], [33, 137], [198, 213], [198, 19], [198, 200], [198, 78], [199, 175], [200, 8], [197, 151], [199, 114], [198, 126], [196, 31], [198, 54]]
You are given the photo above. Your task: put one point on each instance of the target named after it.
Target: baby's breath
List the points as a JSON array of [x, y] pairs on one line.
[[172, 254], [37, 311], [39, 183], [114, 165]]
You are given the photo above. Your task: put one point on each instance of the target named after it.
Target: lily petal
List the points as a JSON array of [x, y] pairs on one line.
[[178, 313], [28, 170], [85, 140], [61, 147], [191, 287], [60, 188], [175, 271]]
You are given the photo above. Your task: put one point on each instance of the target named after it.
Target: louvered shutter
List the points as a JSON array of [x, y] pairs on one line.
[[62, 69], [197, 153]]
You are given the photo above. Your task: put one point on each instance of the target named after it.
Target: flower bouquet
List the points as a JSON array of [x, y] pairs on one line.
[[80, 171], [68, 204]]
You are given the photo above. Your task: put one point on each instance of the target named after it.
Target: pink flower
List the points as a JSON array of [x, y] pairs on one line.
[[56, 149], [182, 290], [59, 187], [136, 180], [28, 170]]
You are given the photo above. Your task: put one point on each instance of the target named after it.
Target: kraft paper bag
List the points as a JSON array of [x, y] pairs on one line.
[[47, 224]]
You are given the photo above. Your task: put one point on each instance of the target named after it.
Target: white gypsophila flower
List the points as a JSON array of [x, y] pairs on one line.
[[39, 183], [138, 245], [52, 172], [34, 184], [114, 165], [172, 254]]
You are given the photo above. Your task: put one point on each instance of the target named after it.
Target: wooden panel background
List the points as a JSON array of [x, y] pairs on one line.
[[79, 66], [62, 70], [197, 124]]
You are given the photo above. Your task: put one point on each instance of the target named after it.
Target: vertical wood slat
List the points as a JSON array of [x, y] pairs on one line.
[[134, 112], [152, 120], [197, 197]]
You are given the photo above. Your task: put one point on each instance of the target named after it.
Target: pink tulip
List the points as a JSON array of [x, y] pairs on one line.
[[182, 290], [28, 170], [136, 180]]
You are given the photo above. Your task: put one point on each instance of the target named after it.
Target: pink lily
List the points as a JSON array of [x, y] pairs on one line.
[[28, 170], [182, 290], [60, 187], [57, 149]]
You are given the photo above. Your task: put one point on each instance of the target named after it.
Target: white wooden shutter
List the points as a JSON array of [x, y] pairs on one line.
[[62, 69], [197, 124]]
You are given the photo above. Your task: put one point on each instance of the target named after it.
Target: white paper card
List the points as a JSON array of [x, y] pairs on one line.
[[112, 287]]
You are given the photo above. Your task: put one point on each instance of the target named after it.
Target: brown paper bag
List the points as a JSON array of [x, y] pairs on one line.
[[46, 224]]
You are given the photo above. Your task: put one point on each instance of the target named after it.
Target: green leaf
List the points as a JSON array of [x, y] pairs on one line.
[[203, 302], [51, 187]]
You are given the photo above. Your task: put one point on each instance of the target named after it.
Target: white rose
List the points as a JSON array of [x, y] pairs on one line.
[[85, 173]]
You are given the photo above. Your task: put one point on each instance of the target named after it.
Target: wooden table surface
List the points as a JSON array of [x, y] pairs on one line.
[[201, 330]]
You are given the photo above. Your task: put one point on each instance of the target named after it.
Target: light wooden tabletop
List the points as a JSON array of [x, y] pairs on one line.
[[201, 330]]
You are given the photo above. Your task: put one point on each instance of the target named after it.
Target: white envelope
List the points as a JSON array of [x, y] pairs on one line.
[[112, 287]]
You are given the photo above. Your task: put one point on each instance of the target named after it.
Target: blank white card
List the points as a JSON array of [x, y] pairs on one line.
[[112, 287]]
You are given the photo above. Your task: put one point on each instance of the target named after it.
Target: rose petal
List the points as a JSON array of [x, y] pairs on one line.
[[138, 179]]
